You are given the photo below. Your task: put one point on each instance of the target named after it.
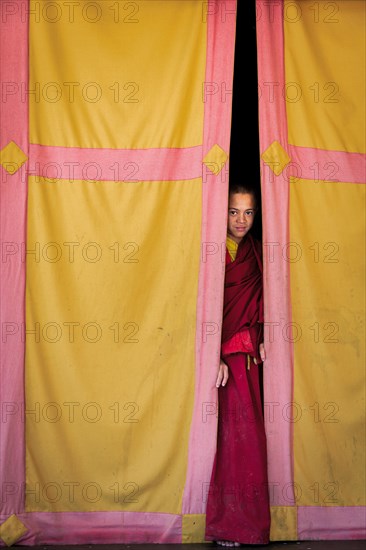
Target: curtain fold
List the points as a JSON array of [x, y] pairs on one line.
[[312, 84], [111, 302]]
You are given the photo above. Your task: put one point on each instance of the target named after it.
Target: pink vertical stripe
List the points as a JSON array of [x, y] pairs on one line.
[[278, 369], [331, 522], [14, 127], [217, 96]]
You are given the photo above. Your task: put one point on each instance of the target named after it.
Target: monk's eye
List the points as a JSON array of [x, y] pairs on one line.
[[249, 212], [232, 212]]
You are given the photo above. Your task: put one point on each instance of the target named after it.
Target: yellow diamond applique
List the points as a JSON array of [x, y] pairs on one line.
[[276, 157], [12, 157], [215, 159], [12, 529]]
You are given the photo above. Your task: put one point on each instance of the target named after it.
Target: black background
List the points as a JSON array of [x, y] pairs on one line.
[[244, 147]]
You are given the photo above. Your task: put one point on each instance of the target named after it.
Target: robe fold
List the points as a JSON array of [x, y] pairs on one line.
[[243, 297]]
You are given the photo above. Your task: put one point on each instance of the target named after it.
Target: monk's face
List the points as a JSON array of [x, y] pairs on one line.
[[241, 215]]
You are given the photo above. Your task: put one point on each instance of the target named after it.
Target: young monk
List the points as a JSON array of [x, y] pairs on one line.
[[238, 505]]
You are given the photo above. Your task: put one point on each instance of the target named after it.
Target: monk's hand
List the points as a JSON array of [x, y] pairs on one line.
[[222, 375], [262, 352]]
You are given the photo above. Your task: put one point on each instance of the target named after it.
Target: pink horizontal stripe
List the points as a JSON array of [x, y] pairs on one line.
[[99, 528], [318, 164], [331, 522], [115, 164]]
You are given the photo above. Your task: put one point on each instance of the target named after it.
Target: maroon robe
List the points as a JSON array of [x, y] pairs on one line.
[[238, 504]]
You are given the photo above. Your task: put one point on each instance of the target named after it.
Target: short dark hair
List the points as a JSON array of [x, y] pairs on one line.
[[243, 188]]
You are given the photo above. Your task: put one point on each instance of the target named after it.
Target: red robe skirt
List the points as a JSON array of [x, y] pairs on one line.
[[238, 502]]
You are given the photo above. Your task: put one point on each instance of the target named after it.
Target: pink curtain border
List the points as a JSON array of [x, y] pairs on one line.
[[14, 127], [331, 522], [99, 528], [221, 30], [278, 367]]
